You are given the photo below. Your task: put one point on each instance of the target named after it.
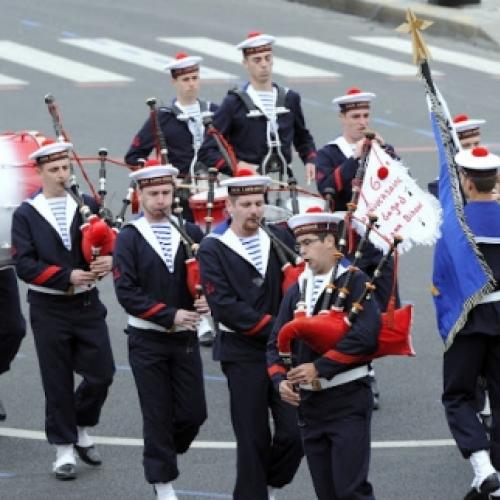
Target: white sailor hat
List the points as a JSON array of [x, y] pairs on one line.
[[256, 42], [354, 98], [478, 161], [466, 127], [51, 150], [183, 64], [315, 220], [154, 174], [246, 181]]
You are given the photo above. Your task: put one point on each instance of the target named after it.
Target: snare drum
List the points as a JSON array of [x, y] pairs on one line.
[[198, 205], [18, 180]]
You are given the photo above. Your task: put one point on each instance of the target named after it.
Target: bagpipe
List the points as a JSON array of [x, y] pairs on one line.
[[323, 331], [99, 230]]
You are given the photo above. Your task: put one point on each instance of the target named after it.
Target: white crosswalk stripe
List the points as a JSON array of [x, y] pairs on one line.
[[139, 56], [8, 81], [469, 61], [228, 52], [347, 56], [56, 65]]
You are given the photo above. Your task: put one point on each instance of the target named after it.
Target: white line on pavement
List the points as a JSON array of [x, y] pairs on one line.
[[228, 52], [57, 65], [219, 445]]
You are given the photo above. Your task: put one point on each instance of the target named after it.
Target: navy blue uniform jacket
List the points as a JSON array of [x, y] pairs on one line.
[[483, 218], [178, 139], [360, 340], [247, 136], [240, 298], [144, 286], [40, 255]]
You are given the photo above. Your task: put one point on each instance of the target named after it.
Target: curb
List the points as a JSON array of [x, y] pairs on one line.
[[446, 21]]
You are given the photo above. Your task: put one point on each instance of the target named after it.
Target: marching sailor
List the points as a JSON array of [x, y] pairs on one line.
[[150, 283], [334, 389], [476, 348], [67, 317], [181, 122], [336, 165], [469, 135], [261, 120], [241, 275]]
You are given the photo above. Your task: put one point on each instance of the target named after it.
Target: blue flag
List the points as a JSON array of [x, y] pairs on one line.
[[461, 277]]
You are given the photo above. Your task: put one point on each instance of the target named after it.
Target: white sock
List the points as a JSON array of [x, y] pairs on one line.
[[84, 440], [165, 491], [64, 455], [270, 492], [481, 464]]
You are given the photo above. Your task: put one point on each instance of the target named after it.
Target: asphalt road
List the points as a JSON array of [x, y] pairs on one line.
[[412, 456]]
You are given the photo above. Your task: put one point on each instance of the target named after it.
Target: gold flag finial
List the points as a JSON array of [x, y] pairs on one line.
[[414, 26]]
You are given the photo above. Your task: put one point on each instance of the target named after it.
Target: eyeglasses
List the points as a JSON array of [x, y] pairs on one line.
[[305, 243]]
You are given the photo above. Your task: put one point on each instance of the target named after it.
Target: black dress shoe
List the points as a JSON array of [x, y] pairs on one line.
[[489, 485], [3, 414], [89, 454], [65, 472]]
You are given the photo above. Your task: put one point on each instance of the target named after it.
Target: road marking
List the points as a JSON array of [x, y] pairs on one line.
[[56, 65], [453, 57], [8, 83], [155, 61], [216, 445], [350, 57], [228, 52]]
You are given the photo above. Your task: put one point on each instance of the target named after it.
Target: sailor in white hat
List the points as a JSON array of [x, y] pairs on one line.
[[151, 285], [242, 275], [334, 395], [261, 120], [476, 348], [468, 130], [67, 317], [181, 121], [336, 166]]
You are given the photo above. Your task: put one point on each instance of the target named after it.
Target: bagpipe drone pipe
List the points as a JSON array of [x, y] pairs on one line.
[[99, 230], [323, 331]]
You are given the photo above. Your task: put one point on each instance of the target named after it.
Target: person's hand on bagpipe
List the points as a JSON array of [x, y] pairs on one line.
[[302, 374], [188, 320]]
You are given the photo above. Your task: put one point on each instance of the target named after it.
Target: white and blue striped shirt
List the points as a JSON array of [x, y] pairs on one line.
[[316, 289], [195, 122], [163, 233], [252, 246], [58, 208]]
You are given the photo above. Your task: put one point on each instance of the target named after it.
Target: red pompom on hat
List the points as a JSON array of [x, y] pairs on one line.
[[480, 151], [314, 210], [48, 141], [181, 55], [478, 160], [152, 163], [353, 90], [253, 34], [245, 172], [460, 118], [256, 42]]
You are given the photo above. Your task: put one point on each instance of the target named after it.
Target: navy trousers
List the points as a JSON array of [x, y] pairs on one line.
[[336, 440], [71, 336], [467, 358], [263, 459], [169, 377], [12, 323]]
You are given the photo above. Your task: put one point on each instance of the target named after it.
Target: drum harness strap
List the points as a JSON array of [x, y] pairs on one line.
[[274, 161], [183, 117]]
